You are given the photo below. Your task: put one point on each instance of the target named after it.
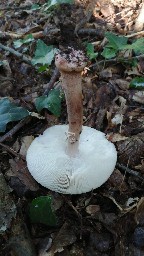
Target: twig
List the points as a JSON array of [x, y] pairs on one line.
[[16, 53], [8, 35], [135, 34], [91, 32], [27, 119], [16, 128], [130, 171], [101, 62], [11, 151], [14, 7], [76, 212], [53, 79]]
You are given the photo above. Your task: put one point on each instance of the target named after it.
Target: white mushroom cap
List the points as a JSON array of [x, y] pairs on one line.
[[51, 165]]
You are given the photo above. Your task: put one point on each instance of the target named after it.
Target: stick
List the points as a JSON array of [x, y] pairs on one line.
[[135, 34], [115, 60], [7, 8], [53, 79], [130, 171], [91, 32], [15, 129], [16, 53], [8, 35]]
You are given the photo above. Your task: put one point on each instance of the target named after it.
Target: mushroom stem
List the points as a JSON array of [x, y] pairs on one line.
[[70, 65], [71, 83]]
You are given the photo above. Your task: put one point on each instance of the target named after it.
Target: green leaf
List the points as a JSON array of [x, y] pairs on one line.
[[137, 83], [35, 7], [10, 112], [137, 46], [54, 3], [52, 102], [43, 68], [44, 54], [41, 211], [109, 53], [1, 63], [27, 39], [115, 42], [90, 51]]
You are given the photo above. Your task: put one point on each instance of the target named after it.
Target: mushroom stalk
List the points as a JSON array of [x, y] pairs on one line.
[[70, 66], [71, 83]]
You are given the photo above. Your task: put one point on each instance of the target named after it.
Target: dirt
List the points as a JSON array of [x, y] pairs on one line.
[[109, 220]]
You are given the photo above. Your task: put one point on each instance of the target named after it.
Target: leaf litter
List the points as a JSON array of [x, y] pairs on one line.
[[108, 221]]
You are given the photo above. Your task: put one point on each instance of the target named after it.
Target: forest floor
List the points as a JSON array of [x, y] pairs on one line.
[[109, 220]]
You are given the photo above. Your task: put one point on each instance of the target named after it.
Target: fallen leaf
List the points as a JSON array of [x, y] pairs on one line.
[[131, 150], [139, 97], [19, 177], [139, 215], [92, 209], [25, 143], [114, 137], [64, 238], [122, 84], [117, 119], [7, 206]]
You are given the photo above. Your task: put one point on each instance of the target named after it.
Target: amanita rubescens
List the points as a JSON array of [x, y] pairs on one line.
[[71, 159]]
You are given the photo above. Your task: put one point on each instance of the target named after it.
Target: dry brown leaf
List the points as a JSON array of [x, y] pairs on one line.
[[122, 84], [92, 209], [131, 150], [7, 206], [25, 143], [139, 215], [140, 166], [133, 71], [139, 97], [64, 238], [106, 73], [19, 177], [114, 137]]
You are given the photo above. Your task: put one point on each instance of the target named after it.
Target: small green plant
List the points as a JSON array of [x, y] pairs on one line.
[[137, 83], [55, 3], [52, 102], [10, 112], [27, 39], [90, 51], [41, 211], [120, 43], [50, 5], [44, 54]]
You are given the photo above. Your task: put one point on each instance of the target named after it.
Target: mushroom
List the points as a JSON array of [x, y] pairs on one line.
[[71, 159]]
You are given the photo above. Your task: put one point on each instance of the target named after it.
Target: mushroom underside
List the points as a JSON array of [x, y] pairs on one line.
[[54, 168]]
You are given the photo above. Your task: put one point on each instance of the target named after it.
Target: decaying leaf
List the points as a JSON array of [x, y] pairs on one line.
[[131, 150], [139, 97], [7, 206], [26, 141], [64, 238], [139, 215], [19, 177], [140, 166], [92, 209], [123, 84], [114, 137]]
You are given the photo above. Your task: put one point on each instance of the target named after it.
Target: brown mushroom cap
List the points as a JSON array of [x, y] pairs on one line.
[[75, 60]]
